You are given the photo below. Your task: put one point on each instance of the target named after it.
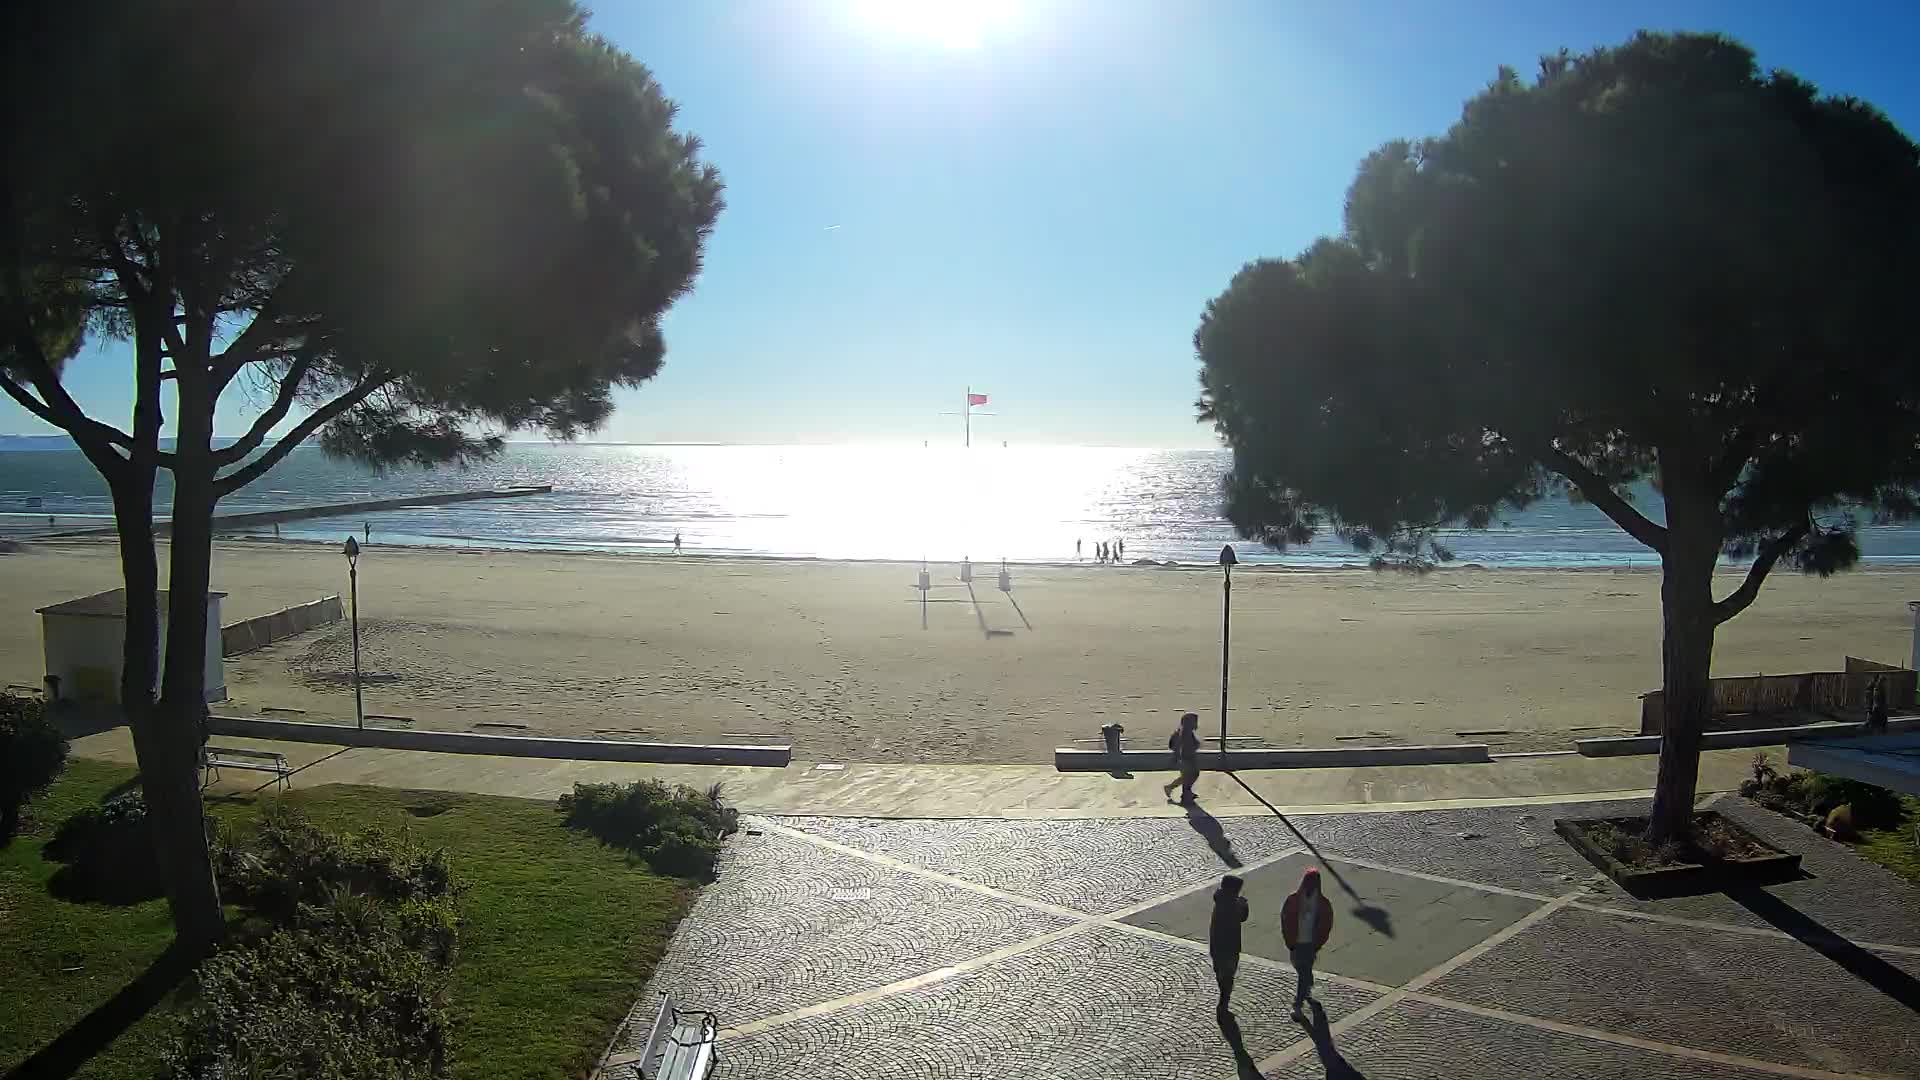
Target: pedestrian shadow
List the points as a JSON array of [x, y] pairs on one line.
[[1855, 960], [1243, 1062], [1336, 1066], [1379, 919], [1213, 833]]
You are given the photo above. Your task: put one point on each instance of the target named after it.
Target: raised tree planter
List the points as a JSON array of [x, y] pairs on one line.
[[1721, 855]]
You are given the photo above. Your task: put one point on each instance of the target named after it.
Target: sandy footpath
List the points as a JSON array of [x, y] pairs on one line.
[[832, 657]]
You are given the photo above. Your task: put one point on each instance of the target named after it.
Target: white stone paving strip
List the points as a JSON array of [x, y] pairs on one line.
[[1618, 1039], [1730, 928], [1431, 975]]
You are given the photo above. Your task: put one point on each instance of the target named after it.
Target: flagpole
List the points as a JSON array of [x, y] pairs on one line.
[[968, 413]]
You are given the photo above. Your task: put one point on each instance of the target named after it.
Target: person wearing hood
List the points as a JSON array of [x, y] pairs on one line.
[[1223, 935], [1306, 921]]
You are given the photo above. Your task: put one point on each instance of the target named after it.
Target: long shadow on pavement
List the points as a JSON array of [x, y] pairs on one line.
[[1377, 918], [1318, 1029], [1243, 1061], [1211, 831], [1857, 961]]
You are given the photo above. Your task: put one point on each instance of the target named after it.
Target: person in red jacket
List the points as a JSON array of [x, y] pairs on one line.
[[1306, 920]]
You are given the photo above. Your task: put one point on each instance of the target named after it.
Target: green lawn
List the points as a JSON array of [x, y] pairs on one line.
[[1894, 848], [558, 933]]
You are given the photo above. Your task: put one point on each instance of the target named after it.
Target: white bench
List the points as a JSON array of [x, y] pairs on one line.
[[681, 1041], [215, 758]]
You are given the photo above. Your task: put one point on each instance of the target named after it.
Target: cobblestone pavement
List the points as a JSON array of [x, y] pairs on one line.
[[856, 948]]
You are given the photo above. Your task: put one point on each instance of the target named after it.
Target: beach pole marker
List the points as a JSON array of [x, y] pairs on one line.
[[926, 583]]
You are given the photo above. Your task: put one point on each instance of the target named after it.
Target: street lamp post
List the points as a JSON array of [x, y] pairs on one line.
[[1227, 560], [353, 592]]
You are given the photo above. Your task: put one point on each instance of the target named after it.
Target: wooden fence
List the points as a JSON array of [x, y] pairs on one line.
[[1811, 692], [263, 630]]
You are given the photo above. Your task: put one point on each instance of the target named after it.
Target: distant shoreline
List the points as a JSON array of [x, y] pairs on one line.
[[983, 569]]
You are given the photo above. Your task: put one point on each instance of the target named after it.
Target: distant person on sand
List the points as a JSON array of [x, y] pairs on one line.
[[1120, 546], [276, 530], [1306, 921], [1185, 744], [1076, 549], [676, 543], [367, 528], [1223, 936]]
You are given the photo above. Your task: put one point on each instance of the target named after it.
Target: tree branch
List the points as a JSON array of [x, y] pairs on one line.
[[282, 402], [240, 478], [1733, 460], [248, 347], [1763, 562], [1602, 495]]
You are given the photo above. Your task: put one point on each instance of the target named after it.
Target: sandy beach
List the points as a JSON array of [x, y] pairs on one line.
[[832, 658]]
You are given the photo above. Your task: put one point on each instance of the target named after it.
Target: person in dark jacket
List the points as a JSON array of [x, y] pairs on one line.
[[1223, 936], [1306, 921], [1185, 744]]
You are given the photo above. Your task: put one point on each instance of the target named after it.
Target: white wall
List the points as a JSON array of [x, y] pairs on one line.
[[85, 652]]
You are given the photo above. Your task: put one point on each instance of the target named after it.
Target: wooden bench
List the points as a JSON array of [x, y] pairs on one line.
[[680, 1044], [215, 758]]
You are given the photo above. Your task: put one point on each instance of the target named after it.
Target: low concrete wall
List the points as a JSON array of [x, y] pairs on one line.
[[263, 630], [462, 742], [1733, 740], [1071, 759]]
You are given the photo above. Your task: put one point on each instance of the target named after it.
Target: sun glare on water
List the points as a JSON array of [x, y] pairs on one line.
[[955, 24]]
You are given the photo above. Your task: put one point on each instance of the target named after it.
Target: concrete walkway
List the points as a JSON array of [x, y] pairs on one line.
[[961, 791], [1465, 943]]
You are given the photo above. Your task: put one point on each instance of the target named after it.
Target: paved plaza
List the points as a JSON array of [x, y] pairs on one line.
[[1467, 943]]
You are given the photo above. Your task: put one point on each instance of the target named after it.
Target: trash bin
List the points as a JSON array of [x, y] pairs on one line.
[[1112, 732]]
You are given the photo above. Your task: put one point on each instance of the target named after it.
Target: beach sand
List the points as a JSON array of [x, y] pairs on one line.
[[832, 658]]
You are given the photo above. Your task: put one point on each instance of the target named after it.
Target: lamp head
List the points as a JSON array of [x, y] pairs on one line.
[[353, 550], [1227, 557]]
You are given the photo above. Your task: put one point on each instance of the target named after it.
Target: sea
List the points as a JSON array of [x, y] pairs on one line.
[[1038, 504]]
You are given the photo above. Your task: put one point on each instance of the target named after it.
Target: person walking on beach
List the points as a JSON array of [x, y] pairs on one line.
[[1223, 937], [367, 528], [1306, 921], [1076, 549], [1120, 547], [676, 543], [1185, 744]]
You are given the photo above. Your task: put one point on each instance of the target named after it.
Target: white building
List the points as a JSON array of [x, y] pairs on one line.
[[85, 642]]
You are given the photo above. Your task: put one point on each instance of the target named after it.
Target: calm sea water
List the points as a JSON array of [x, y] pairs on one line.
[[1024, 504]]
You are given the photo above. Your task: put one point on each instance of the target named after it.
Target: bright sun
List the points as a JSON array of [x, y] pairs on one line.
[[956, 24]]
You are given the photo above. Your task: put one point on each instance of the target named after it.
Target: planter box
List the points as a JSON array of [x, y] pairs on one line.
[[1684, 877]]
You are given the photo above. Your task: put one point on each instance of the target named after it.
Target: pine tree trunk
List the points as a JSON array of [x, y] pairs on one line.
[[179, 729], [1686, 661]]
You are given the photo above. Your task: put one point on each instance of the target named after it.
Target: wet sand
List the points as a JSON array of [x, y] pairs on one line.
[[832, 657]]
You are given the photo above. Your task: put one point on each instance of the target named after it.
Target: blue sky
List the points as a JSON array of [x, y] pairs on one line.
[[1036, 197]]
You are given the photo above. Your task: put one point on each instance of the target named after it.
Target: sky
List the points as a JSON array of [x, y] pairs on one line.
[[1036, 198]]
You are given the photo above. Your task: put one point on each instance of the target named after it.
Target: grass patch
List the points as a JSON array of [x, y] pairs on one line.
[[558, 932], [1894, 847]]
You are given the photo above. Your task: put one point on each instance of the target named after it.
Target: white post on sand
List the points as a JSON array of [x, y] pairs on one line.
[[966, 570], [1006, 577], [926, 583], [1914, 660]]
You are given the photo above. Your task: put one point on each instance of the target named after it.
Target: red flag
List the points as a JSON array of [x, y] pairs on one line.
[[976, 399]]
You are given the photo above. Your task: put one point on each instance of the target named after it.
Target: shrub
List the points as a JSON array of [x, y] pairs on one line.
[[344, 992], [676, 829], [1813, 796], [108, 852], [352, 983], [32, 753], [291, 862]]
